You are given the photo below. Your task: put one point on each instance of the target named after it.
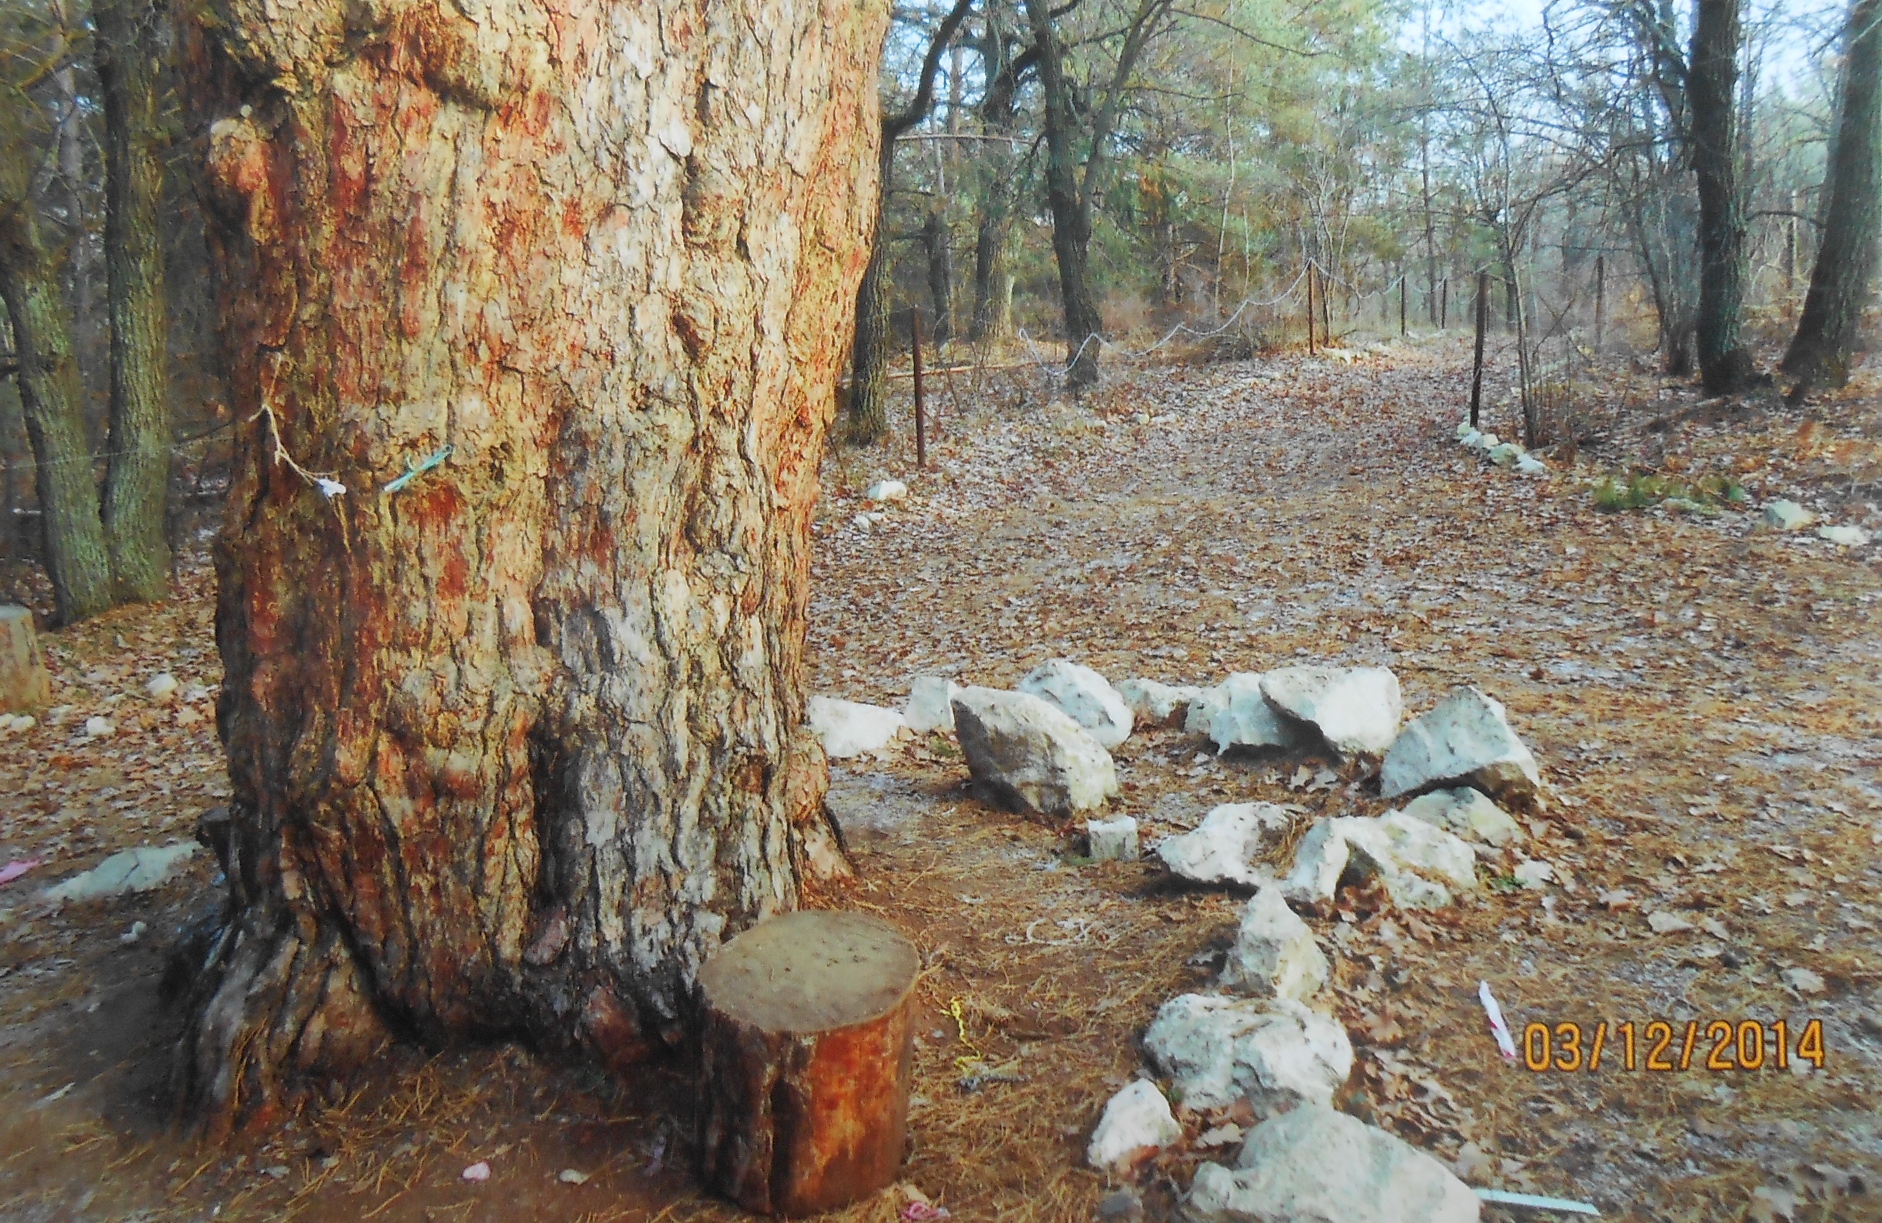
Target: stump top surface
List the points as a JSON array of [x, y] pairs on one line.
[[811, 971]]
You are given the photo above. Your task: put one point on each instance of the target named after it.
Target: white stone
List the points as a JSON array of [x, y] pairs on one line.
[[1113, 840], [1029, 754], [930, 704], [131, 870], [1467, 812], [1533, 873], [162, 687], [1222, 848], [1315, 1165], [1505, 454], [1084, 695], [1849, 537], [1218, 1049], [1208, 702], [1158, 704], [1275, 955], [1136, 1121], [1248, 720], [1420, 864], [1355, 709], [1530, 465], [1466, 740], [1787, 515], [99, 728], [887, 490], [847, 728], [1464, 429]]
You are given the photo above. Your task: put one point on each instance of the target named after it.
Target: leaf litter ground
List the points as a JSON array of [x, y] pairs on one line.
[[1702, 694]]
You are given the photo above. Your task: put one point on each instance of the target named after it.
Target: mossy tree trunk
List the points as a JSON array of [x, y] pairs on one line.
[[516, 747]]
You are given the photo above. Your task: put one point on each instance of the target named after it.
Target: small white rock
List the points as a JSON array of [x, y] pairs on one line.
[[99, 728], [1158, 704], [1848, 537], [1218, 1049], [162, 687], [1275, 955], [1786, 515], [1355, 709], [930, 704], [1465, 740], [887, 490], [1136, 1121], [1248, 719], [1113, 840], [1533, 874], [1505, 454], [131, 936], [1222, 848], [1469, 813], [1530, 465], [571, 1176], [848, 728]]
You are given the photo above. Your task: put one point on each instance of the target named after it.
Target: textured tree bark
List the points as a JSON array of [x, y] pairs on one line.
[[934, 240], [1842, 280], [50, 397], [805, 1062], [1071, 212], [1724, 362], [130, 41], [516, 745]]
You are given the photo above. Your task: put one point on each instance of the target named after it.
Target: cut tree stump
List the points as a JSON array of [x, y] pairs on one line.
[[805, 1060], [24, 685]]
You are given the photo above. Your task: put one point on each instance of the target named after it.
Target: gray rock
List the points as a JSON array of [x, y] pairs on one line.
[[1274, 955], [1466, 740], [130, 870], [1217, 1049], [1848, 537], [1222, 848], [1315, 1165], [1355, 709], [930, 704], [1420, 864], [1113, 840], [1468, 813], [1207, 703], [846, 728], [1155, 704], [1136, 1121], [1030, 755], [1248, 720], [1084, 695], [1787, 515]]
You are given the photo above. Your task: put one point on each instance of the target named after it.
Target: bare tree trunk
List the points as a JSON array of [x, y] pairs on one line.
[[130, 39], [1841, 283], [515, 747], [50, 401], [1071, 212], [934, 240], [1724, 363]]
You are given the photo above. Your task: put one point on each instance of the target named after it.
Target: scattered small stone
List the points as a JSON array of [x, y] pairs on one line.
[[1465, 740], [130, 937], [1136, 1122], [931, 704], [1533, 874], [1274, 955], [1663, 922], [277, 1172], [1787, 515], [1218, 1049], [479, 1171], [1530, 465], [572, 1176], [848, 728], [1504, 454], [1223, 847], [887, 490], [1084, 695], [131, 870], [1157, 704], [99, 728], [1469, 813], [1121, 1206], [1803, 981], [1355, 709], [1030, 755], [1315, 1165], [1848, 537], [1113, 840], [162, 687]]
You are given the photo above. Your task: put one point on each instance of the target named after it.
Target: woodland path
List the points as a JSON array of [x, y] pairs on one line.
[[1705, 698]]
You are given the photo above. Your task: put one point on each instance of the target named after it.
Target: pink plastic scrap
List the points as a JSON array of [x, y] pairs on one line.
[[479, 1171], [13, 870], [1498, 1028]]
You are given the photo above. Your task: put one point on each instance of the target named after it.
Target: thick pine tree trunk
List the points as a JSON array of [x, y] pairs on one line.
[[866, 411], [1840, 283], [1071, 212], [516, 747], [131, 36], [50, 401], [1724, 363]]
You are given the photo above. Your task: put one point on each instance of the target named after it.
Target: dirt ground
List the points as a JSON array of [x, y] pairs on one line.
[[1702, 694]]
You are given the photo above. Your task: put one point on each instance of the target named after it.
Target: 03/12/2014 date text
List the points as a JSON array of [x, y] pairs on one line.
[[1663, 1046]]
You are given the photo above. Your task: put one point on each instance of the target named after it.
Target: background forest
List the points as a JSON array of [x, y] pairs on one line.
[[1053, 173]]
